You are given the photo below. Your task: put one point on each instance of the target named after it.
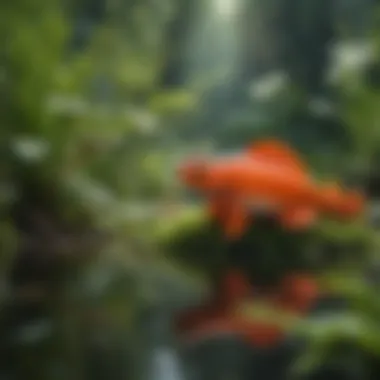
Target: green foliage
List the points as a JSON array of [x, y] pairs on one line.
[[79, 129], [192, 240], [33, 50], [173, 102], [358, 327]]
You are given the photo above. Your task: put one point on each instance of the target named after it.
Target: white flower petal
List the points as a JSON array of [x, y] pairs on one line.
[[30, 149], [268, 86]]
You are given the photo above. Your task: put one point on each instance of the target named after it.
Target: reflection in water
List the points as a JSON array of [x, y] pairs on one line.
[[166, 365]]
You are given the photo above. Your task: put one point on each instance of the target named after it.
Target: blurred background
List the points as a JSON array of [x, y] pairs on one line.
[[100, 100]]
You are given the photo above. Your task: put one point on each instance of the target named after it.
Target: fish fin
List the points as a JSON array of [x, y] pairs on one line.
[[277, 152], [213, 209], [236, 223], [299, 218], [218, 208]]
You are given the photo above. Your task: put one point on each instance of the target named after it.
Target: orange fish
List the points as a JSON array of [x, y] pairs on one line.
[[266, 178], [296, 294]]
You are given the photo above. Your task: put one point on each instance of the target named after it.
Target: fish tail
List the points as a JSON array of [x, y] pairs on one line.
[[353, 203], [335, 201]]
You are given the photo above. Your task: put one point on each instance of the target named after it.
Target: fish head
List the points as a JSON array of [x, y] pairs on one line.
[[194, 174]]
